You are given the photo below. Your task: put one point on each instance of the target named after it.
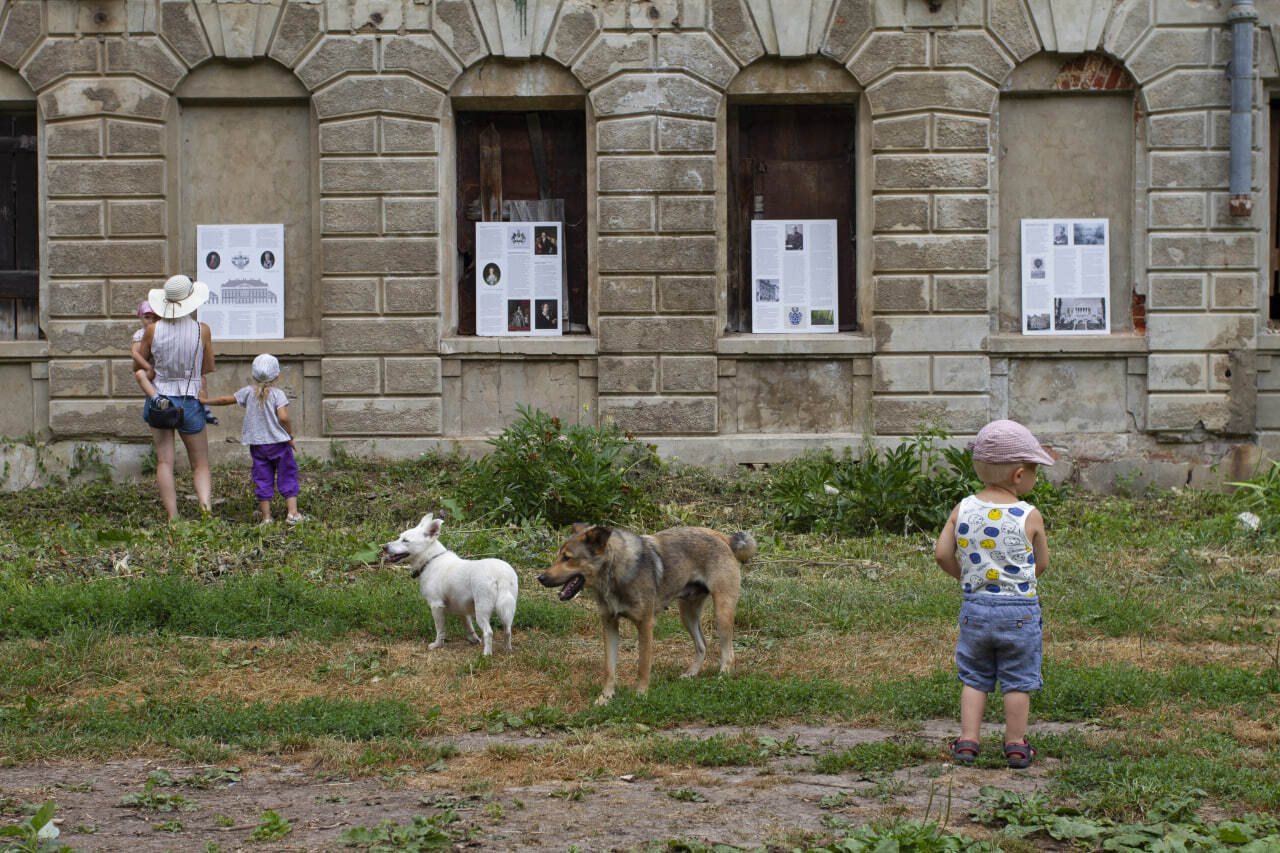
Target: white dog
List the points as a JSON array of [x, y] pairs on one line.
[[450, 584]]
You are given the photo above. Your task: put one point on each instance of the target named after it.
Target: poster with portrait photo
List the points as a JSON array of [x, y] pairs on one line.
[[1066, 276], [545, 313], [519, 276], [244, 268], [793, 276]]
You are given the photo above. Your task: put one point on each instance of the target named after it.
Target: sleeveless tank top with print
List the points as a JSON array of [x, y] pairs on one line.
[[179, 356], [993, 548]]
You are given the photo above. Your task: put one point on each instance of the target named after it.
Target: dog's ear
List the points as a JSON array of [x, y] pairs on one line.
[[434, 526], [426, 519], [597, 538], [579, 526]]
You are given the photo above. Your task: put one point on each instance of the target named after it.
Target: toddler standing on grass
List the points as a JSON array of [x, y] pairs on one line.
[[994, 543], [269, 434]]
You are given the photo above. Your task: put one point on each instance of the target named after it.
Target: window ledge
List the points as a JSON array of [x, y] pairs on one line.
[[576, 346], [23, 350], [800, 345], [1123, 343], [1269, 340], [279, 347]]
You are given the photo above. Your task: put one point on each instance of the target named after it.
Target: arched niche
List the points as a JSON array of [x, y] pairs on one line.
[[793, 132], [811, 80], [506, 84], [245, 152]]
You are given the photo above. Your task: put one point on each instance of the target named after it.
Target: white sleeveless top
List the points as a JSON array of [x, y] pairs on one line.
[[179, 356], [993, 548]]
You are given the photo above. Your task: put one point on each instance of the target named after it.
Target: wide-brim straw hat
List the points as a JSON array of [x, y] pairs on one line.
[[179, 297]]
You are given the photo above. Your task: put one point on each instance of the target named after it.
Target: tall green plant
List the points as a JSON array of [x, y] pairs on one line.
[[541, 469], [911, 486]]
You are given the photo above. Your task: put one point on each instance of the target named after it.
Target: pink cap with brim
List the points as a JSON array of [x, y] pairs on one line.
[[1004, 441]]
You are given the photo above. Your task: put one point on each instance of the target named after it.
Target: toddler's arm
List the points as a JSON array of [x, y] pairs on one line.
[[224, 400], [140, 363], [1039, 540], [944, 550], [282, 412]]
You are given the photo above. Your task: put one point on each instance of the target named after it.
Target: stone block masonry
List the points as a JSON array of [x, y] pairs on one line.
[[374, 344]]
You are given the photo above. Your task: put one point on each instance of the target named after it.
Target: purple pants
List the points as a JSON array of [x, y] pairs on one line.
[[274, 464]]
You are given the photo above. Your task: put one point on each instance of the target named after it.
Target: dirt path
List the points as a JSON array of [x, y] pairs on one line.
[[778, 802]]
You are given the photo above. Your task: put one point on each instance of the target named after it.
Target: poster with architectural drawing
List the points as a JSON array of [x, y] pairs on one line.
[[244, 268], [793, 275], [1066, 277], [518, 278]]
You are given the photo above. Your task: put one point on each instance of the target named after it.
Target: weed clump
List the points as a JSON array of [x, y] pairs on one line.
[[909, 487], [541, 469]]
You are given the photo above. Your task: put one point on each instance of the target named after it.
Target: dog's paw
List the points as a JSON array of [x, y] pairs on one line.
[[473, 639], [603, 698], [437, 644]]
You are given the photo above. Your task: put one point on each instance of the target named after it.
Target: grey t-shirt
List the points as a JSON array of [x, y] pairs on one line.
[[261, 425]]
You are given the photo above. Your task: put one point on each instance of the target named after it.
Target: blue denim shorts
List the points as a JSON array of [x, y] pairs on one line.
[[193, 418], [1000, 639]]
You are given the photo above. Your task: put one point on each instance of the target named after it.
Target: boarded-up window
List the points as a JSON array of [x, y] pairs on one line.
[[793, 162], [247, 155], [1050, 170], [19, 228], [506, 157]]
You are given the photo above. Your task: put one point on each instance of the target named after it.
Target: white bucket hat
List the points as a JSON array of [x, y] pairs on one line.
[[179, 297], [266, 368]]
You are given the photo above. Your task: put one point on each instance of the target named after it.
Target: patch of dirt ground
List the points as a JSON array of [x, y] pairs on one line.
[[779, 802]]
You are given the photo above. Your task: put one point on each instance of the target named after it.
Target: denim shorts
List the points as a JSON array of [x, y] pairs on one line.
[[193, 418], [1000, 639]]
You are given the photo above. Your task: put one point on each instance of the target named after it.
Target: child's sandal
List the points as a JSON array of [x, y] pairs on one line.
[[1018, 755], [965, 751]]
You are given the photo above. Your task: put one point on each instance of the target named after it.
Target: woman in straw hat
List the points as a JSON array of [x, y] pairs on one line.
[[182, 350]]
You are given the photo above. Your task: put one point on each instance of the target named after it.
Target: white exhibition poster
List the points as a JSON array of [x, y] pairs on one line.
[[244, 268], [793, 275], [1066, 276], [518, 278]]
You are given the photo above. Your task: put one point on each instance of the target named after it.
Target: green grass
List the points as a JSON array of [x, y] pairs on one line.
[[96, 591], [101, 727], [883, 756]]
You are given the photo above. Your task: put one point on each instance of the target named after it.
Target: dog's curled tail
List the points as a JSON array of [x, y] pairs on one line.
[[743, 545]]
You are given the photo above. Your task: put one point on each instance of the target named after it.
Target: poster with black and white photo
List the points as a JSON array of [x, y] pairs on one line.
[[1066, 277], [793, 275], [244, 268], [518, 278]]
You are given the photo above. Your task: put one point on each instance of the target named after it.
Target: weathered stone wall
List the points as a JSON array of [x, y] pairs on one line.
[[1185, 376]]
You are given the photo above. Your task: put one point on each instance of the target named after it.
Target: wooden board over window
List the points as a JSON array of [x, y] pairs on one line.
[[19, 228], [522, 156], [794, 162]]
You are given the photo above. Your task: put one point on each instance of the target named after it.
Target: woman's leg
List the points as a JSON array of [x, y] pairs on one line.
[[164, 470], [198, 455]]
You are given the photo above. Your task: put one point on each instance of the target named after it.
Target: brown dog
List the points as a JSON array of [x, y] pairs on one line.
[[636, 577]]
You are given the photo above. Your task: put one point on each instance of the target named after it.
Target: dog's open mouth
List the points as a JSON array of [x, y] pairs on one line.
[[394, 558], [572, 587]]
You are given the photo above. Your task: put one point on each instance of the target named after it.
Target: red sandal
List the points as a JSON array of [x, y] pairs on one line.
[[1019, 755], [964, 751]]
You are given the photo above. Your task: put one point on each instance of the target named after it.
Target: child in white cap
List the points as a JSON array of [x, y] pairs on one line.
[[269, 434], [994, 543]]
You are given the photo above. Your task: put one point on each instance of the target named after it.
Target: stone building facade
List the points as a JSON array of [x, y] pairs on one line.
[[341, 119]]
